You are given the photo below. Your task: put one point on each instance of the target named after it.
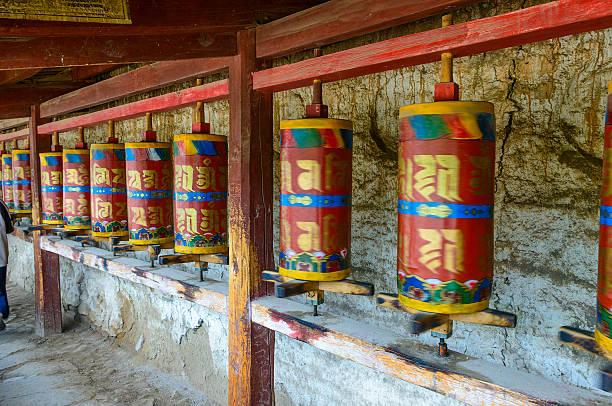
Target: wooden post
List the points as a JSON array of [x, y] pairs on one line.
[[46, 264], [251, 346]]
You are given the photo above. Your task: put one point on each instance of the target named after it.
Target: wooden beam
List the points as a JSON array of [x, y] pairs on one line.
[[29, 94], [8, 112], [46, 264], [91, 50], [167, 17], [137, 81], [251, 347], [87, 72], [537, 23], [338, 20], [166, 102], [16, 123], [17, 75]]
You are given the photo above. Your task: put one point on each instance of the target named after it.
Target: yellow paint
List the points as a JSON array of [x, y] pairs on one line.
[[447, 107], [200, 137], [151, 242], [76, 151], [110, 233], [443, 308], [22, 211], [317, 123], [49, 154], [19, 151], [107, 146], [602, 340], [55, 222], [610, 87], [77, 227], [315, 276], [219, 249], [147, 145]]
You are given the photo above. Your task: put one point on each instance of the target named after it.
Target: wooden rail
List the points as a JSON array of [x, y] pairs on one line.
[[459, 377]]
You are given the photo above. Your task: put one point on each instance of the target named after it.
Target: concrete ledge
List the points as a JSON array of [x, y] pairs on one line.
[[460, 377]]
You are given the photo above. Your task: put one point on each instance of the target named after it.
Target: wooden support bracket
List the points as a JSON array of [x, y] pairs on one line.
[[201, 261], [583, 340], [38, 227], [424, 321], [153, 250], [287, 287]]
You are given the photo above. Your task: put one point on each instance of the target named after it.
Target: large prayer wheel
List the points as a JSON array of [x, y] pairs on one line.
[[22, 182], [603, 335], [446, 196], [51, 187], [200, 199], [108, 190], [149, 192], [315, 201], [7, 181], [77, 196]]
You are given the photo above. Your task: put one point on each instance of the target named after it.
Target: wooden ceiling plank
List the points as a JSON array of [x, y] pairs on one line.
[[538, 23], [57, 52], [89, 71], [137, 81], [338, 20], [8, 77]]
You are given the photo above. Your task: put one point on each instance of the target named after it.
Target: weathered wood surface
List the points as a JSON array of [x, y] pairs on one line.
[[583, 340], [185, 258], [338, 20], [210, 294], [251, 347], [166, 102], [473, 381], [137, 81], [22, 234], [537, 23], [46, 264], [37, 52]]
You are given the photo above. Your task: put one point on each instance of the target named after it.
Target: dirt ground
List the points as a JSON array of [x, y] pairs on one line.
[[78, 367]]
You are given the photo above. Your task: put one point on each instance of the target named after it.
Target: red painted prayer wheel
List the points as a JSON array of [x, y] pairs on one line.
[[603, 335], [446, 196], [149, 192], [108, 190], [7, 181], [315, 201], [22, 182], [51, 187], [200, 199], [77, 196]]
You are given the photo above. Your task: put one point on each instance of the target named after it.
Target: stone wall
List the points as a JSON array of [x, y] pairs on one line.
[[549, 102]]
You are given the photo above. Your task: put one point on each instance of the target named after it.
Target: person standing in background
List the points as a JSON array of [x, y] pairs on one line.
[[6, 227]]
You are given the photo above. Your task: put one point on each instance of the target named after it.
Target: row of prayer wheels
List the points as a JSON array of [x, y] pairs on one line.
[[445, 233]]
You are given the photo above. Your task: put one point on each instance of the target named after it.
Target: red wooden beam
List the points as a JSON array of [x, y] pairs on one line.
[[139, 80], [15, 135], [166, 102], [17, 75], [46, 264], [338, 20], [538, 23], [58, 51], [89, 71], [251, 346]]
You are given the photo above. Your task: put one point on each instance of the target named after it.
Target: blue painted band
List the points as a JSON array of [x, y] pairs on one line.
[[149, 194], [315, 200], [445, 210], [199, 196], [108, 190], [22, 182], [50, 189], [605, 215], [77, 189]]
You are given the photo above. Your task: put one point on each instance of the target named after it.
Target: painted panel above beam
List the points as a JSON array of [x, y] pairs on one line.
[[338, 20], [537, 23], [137, 81], [91, 50]]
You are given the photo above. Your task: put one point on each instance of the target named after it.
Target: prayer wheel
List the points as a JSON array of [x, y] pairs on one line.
[[200, 193], [315, 200], [603, 335], [51, 187], [22, 182], [149, 190], [445, 206], [108, 188], [77, 190], [7, 181]]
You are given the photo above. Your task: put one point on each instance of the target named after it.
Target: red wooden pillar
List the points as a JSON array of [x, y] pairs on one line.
[[46, 264], [251, 346]]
